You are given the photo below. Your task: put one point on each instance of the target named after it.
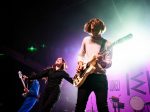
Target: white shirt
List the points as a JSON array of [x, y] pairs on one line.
[[91, 47]]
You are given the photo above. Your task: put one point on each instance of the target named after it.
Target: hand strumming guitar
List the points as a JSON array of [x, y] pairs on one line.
[[24, 77]]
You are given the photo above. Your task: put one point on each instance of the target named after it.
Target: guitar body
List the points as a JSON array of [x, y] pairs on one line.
[[81, 76]]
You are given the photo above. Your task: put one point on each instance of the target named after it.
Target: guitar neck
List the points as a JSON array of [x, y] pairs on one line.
[[20, 76], [117, 42], [24, 86]]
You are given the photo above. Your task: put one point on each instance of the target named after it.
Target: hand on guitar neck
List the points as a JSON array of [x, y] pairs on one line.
[[24, 77]]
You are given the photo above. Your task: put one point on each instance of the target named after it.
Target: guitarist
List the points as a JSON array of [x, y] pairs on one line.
[[31, 95], [92, 45]]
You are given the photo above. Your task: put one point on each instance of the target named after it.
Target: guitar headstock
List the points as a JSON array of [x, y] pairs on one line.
[[125, 37], [122, 39], [20, 74]]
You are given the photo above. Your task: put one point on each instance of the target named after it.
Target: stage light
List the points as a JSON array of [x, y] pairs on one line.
[[32, 49], [1, 54], [131, 54], [43, 46]]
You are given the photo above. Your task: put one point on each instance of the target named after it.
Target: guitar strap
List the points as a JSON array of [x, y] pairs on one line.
[[102, 43]]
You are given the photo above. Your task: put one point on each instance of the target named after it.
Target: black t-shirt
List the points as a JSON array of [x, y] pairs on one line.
[[54, 77]]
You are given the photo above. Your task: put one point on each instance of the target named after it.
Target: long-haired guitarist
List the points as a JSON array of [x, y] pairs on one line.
[[92, 77]]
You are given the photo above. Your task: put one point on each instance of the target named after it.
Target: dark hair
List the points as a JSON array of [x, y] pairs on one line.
[[97, 25], [63, 67]]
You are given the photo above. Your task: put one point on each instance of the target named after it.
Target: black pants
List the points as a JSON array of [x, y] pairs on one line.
[[97, 83], [48, 99]]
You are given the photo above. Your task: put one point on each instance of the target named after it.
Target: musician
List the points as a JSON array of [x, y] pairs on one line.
[[31, 96], [54, 75], [92, 46]]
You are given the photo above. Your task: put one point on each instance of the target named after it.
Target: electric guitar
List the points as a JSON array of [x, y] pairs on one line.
[[23, 83], [90, 67]]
